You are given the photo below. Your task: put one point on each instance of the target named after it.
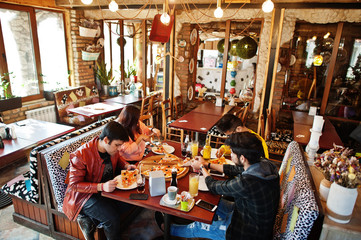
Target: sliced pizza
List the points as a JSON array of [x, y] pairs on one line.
[[221, 161], [128, 178]]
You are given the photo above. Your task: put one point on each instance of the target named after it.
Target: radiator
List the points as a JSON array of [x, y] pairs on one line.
[[45, 114]]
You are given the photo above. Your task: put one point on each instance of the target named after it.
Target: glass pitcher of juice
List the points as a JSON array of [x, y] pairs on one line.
[[193, 184]]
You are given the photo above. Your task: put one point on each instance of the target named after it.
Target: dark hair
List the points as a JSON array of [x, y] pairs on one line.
[[229, 122], [129, 118], [114, 131], [246, 144]]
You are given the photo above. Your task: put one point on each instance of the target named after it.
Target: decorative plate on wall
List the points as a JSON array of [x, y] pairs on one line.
[[191, 65], [193, 36], [190, 93]]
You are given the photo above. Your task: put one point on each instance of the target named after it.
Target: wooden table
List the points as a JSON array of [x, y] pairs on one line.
[[125, 99], [332, 230], [97, 109], [30, 133], [212, 109], [196, 214], [302, 123]]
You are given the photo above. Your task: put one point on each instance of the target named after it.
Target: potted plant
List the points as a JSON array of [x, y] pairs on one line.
[[105, 77], [89, 28], [8, 101]]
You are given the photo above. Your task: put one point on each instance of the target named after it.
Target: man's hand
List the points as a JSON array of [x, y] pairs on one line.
[[196, 165], [110, 185], [220, 152]]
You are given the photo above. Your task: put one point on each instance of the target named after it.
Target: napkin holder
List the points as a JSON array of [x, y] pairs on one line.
[[156, 183], [219, 102]]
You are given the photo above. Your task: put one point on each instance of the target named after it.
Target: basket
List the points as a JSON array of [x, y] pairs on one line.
[[89, 56], [87, 32]]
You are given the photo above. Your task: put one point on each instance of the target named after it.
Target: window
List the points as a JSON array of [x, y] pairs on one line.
[[36, 58]]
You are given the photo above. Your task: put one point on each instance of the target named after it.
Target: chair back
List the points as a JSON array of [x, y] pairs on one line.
[[145, 107], [147, 120], [178, 107]]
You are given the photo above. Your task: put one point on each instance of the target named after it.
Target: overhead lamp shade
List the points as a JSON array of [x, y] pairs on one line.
[[246, 48], [160, 32], [220, 46]]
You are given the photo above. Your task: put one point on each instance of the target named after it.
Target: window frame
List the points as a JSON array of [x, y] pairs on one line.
[[34, 32]]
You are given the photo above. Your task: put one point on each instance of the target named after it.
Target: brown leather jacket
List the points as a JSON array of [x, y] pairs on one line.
[[86, 171]]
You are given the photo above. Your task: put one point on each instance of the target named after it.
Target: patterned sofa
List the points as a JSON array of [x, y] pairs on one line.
[[300, 213], [72, 98], [30, 203]]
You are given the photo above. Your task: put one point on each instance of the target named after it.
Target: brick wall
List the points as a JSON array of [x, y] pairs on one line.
[[181, 69]]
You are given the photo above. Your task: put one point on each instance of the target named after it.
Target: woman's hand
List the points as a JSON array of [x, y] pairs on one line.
[[109, 186], [142, 137], [156, 132]]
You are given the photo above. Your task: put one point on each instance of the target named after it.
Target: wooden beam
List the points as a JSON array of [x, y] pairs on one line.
[[122, 59], [225, 57], [144, 56], [332, 63]]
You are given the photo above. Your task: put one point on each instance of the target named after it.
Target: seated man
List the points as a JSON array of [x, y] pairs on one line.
[[253, 183], [93, 167], [230, 124]]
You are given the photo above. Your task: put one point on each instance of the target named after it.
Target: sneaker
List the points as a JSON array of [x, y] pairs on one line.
[[87, 227]]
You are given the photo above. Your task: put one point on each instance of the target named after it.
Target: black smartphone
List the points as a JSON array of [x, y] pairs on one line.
[[216, 173], [206, 205], [138, 196]]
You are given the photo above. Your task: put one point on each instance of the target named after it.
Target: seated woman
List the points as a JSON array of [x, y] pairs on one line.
[[138, 134]]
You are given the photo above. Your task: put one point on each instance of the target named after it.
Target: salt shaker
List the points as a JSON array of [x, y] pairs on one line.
[[13, 134]]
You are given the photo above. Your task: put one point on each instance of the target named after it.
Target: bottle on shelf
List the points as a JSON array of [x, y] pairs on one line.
[[173, 181]]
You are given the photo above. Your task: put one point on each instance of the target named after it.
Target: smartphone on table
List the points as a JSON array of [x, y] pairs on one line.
[[206, 205]]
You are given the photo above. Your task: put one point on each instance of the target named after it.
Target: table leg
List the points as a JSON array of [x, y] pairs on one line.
[[167, 218]]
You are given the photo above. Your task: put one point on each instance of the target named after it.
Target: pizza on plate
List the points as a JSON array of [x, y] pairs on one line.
[[169, 159], [158, 149], [128, 178], [167, 170], [221, 161]]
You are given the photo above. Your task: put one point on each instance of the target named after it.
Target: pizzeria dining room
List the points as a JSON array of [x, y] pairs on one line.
[[180, 119]]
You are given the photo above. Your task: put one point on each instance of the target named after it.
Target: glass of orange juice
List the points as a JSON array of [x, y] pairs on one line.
[[193, 184], [194, 148]]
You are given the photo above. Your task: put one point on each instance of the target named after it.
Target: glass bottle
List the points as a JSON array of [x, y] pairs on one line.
[[207, 149], [173, 181]]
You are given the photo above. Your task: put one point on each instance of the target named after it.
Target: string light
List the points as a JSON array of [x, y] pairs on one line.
[[87, 2], [113, 6], [267, 6], [218, 13], [326, 35], [165, 18]]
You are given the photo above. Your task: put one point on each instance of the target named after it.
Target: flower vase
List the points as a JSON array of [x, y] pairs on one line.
[[324, 189], [340, 203]]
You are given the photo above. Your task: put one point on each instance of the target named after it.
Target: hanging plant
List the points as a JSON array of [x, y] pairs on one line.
[[246, 48]]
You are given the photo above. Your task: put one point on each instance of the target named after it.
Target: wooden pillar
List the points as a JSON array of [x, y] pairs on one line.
[[122, 60], [225, 57], [144, 56]]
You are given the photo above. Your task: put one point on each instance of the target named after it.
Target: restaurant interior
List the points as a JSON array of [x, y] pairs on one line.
[[289, 70]]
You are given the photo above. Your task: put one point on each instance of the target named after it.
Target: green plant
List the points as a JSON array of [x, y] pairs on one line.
[[130, 70], [4, 84], [105, 77]]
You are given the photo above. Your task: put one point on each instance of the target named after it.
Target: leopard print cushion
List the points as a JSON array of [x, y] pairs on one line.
[[19, 189], [296, 191], [56, 173]]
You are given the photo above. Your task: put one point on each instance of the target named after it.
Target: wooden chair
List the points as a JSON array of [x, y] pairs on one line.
[[147, 120], [145, 107], [154, 107], [178, 107], [169, 132]]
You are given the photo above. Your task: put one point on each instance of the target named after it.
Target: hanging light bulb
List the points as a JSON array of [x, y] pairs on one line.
[[267, 6], [165, 18], [113, 6], [87, 2], [218, 13]]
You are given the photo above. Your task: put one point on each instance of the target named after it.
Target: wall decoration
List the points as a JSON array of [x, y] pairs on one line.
[[182, 43], [193, 36], [190, 93], [191, 66], [246, 48]]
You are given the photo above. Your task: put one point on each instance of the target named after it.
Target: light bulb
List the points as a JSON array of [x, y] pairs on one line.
[[87, 2], [165, 18], [218, 13], [113, 6], [267, 6]]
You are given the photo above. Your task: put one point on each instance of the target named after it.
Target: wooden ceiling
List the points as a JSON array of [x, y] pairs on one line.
[[135, 4]]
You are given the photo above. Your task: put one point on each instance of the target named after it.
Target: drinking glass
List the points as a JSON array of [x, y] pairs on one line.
[[194, 148], [193, 184], [140, 183]]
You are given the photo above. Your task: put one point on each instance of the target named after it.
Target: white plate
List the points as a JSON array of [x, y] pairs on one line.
[[193, 36], [169, 202], [167, 148], [191, 65], [120, 186], [202, 186]]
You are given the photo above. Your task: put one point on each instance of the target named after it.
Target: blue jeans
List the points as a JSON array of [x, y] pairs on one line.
[[216, 230], [107, 212]]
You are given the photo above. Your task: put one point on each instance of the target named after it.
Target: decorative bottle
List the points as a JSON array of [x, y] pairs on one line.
[[173, 182]]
